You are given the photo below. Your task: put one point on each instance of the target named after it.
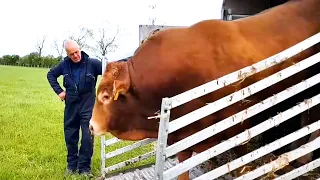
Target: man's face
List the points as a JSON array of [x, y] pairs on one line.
[[74, 54]]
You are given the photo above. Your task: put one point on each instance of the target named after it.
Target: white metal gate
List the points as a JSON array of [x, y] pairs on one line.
[[163, 151], [167, 127]]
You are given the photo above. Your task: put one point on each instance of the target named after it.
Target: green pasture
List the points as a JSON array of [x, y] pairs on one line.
[[31, 131]]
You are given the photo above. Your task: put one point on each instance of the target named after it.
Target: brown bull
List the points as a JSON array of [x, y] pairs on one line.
[[175, 60]]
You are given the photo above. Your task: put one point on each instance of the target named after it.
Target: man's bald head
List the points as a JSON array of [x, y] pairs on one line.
[[73, 50]]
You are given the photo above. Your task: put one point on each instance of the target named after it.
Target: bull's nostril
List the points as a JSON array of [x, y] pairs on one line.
[[91, 128]]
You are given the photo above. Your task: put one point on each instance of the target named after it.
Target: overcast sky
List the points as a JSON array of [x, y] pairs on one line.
[[24, 21]]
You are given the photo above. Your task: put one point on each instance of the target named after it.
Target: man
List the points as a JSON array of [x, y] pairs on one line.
[[79, 79]]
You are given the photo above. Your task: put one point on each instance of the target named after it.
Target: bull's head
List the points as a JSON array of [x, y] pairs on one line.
[[115, 82], [116, 109]]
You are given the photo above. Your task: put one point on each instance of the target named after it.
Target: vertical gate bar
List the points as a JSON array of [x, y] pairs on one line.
[[103, 138], [103, 152], [162, 137]]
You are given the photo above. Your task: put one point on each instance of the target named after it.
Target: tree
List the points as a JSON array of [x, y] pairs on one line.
[[59, 47], [10, 59], [105, 43], [32, 59], [49, 61], [82, 37], [40, 45]]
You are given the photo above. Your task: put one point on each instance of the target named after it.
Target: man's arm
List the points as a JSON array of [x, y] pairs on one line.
[[97, 66], [53, 75]]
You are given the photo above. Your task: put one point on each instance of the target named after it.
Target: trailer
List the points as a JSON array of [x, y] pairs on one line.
[[236, 9], [165, 165]]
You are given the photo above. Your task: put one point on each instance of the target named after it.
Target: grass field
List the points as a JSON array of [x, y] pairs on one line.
[[31, 132]]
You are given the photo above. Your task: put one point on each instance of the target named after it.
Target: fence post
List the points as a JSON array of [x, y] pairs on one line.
[[103, 138], [162, 137], [103, 152]]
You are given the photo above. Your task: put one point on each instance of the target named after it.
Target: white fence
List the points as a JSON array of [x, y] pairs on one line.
[[105, 143], [166, 127]]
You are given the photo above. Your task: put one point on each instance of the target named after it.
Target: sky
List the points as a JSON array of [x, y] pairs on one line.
[[24, 22]]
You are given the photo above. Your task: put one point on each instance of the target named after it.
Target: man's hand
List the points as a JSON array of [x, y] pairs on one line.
[[62, 95]]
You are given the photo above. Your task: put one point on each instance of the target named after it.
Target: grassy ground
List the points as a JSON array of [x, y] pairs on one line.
[[31, 131]]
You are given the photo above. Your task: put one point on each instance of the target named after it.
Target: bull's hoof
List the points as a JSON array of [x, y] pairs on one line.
[[269, 176], [297, 164], [285, 170]]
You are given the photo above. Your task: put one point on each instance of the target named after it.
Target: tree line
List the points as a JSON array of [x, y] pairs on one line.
[[31, 60], [100, 42]]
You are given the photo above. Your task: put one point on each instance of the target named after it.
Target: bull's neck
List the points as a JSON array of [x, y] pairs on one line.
[[137, 69]]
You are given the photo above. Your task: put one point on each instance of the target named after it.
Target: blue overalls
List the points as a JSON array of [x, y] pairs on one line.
[[79, 80]]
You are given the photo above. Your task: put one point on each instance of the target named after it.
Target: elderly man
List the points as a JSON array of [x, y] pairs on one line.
[[79, 79]]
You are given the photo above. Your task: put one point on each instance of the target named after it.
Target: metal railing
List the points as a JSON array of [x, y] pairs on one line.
[[167, 127]]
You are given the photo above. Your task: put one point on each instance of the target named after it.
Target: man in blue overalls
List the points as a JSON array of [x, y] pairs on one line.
[[80, 74]]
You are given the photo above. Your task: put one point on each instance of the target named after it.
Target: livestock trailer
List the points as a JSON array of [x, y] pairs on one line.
[[166, 165], [236, 9]]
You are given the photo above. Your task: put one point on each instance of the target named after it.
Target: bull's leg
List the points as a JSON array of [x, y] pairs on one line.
[[308, 157], [182, 156], [308, 117], [240, 151]]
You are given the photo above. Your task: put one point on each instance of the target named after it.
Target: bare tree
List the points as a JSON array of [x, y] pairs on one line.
[[105, 43], [40, 45], [59, 47], [82, 37]]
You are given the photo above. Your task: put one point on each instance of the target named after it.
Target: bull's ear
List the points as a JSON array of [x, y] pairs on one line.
[[104, 97], [121, 84]]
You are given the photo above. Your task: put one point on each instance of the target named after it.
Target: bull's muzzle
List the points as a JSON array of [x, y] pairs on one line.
[[95, 129], [91, 129]]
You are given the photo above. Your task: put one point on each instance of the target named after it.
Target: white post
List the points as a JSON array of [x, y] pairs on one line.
[[103, 138], [162, 138]]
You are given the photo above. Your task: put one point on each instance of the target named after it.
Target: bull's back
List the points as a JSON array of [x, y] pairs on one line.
[[236, 44]]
